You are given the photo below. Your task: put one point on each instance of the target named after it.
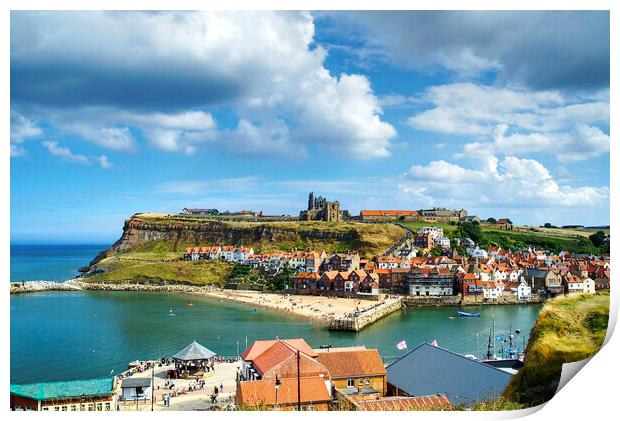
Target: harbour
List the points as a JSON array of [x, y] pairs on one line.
[[63, 335]]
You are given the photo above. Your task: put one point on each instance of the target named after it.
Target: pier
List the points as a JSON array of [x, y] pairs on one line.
[[363, 318]]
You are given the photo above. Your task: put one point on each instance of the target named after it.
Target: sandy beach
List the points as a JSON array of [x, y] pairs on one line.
[[314, 307], [309, 306]]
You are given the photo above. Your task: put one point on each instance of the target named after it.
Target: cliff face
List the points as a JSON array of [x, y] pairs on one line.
[[138, 233]]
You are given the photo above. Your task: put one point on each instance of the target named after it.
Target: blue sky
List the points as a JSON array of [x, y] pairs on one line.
[[112, 113]]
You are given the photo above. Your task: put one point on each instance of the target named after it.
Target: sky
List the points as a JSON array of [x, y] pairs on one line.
[[504, 114]]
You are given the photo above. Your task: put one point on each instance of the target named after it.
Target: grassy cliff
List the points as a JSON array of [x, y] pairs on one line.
[[152, 245], [568, 329]]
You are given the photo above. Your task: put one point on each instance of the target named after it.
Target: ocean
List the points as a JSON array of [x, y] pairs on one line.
[[50, 262], [67, 335]]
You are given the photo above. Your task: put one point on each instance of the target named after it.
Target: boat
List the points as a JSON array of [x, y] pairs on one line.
[[465, 314]]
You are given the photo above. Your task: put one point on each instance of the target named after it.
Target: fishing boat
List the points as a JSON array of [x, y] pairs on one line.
[[465, 314]]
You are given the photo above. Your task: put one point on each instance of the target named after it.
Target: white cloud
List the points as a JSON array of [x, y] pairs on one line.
[[517, 122], [511, 182], [104, 162], [23, 128], [113, 138], [17, 151], [168, 68], [65, 153]]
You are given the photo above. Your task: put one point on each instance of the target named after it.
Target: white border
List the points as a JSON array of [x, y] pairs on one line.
[[590, 395]]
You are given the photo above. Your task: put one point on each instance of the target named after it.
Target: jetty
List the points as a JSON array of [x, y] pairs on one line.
[[360, 319]]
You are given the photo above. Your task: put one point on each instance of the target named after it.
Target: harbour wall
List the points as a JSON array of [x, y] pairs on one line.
[[360, 321]]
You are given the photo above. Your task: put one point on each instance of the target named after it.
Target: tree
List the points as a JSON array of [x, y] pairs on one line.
[[598, 238], [471, 230], [548, 225], [436, 251], [492, 221]]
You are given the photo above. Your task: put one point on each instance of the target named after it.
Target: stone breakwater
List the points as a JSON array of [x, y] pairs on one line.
[[39, 286], [363, 319]]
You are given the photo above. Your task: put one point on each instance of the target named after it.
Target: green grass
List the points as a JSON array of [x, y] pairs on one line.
[[516, 239], [568, 329], [202, 272]]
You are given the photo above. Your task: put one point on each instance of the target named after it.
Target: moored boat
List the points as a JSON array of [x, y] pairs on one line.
[[465, 314]]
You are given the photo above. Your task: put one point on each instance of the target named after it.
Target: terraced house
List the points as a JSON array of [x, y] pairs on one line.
[[430, 282]]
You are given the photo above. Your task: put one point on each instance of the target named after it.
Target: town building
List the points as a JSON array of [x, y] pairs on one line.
[[384, 215], [282, 394], [430, 282], [355, 370], [74, 395], [136, 388], [430, 370]]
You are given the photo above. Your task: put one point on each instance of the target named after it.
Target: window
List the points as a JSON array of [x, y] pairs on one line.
[[367, 380], [56, 408], [74, 407], [361, 382], [350, 382], [99, 406], [45, 408], [310, 408], [108, 407], [64, 407]]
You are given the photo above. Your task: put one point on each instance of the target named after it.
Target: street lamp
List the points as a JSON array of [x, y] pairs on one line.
[[278, 383]]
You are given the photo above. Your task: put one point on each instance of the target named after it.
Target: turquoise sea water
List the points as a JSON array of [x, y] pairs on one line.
[[50, 262], [72, 335]]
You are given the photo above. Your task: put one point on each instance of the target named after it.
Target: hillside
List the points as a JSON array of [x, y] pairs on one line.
[[568, 329], [119, 269], [152, 244], [555, 240]]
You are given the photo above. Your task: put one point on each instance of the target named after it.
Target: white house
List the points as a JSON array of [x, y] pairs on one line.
[[435, 232], [588, 286], [133, 388], [491, 290], [477, 252], [228, 253], [524, 291], [442, 242], [242, 253], [573, 284]]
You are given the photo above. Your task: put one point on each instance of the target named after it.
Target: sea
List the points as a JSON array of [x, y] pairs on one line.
[[66, 335]]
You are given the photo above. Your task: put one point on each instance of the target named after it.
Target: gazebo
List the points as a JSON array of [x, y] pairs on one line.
[[193, 357]]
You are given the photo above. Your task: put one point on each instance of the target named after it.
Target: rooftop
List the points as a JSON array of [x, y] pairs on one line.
[[63, 389]]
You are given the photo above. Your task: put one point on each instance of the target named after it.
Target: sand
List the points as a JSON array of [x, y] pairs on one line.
[[314, 307]]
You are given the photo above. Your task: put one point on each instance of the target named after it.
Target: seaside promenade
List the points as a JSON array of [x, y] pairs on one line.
[[181, 398]]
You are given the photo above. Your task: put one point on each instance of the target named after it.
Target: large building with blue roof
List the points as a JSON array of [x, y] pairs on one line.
[[431, 370], [73, 395]]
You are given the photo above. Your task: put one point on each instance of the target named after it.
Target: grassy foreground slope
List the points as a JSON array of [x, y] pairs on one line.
[[204, 272], [568, 329]]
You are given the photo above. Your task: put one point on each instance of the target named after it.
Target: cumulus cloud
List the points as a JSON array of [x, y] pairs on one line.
[[539, 49], [162, 73], [22, 128], [513, 122], [65, 153], [511, 182]]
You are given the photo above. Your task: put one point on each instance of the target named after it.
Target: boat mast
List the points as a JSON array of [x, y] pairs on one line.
[[494, 353]]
